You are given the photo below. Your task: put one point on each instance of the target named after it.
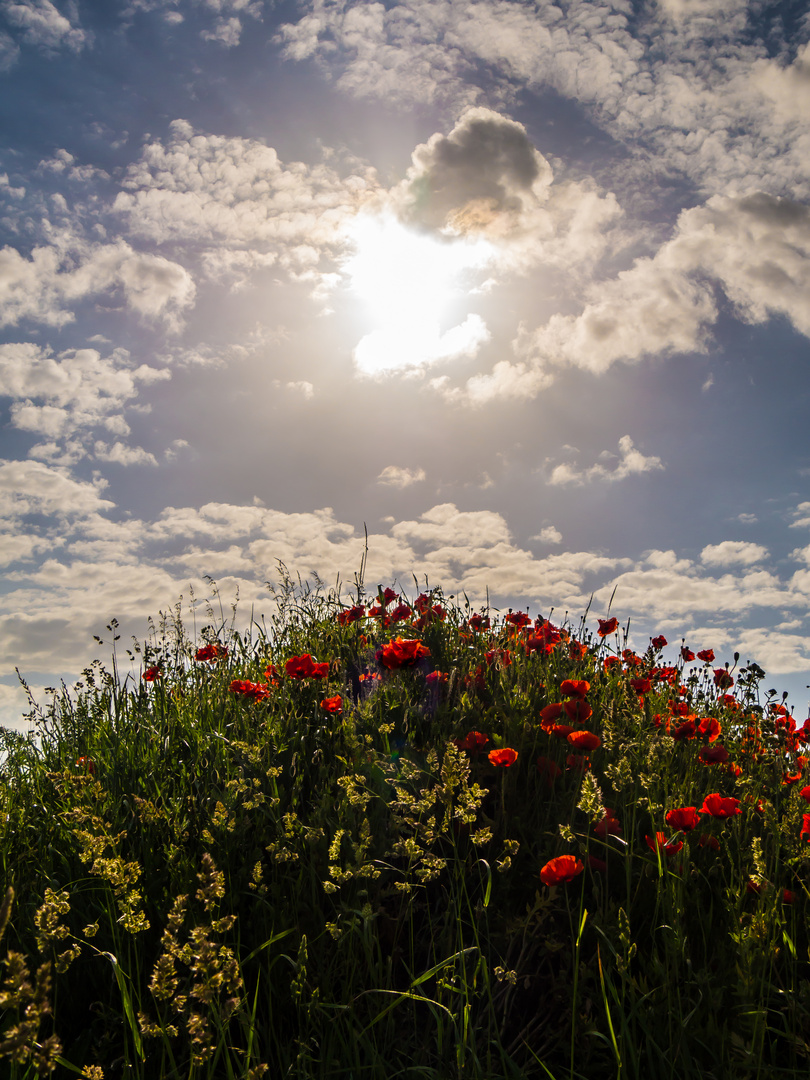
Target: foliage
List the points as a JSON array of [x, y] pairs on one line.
[[395, 839]]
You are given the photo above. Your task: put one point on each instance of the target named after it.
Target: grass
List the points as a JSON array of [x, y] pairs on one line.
[[247, 865]]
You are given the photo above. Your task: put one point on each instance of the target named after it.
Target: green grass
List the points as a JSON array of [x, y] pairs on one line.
[[208, 880]]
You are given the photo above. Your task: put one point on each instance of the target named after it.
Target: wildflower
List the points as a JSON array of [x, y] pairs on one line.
[[805, 793], [660, 843], [687, 655], [683, 818], [473, 742], [611, 662], [576, 650], [641, 686], [722, 679], [551, 713], [559, 731], [578, 710], [577, 763], [720, 807], [630, 658], [659, 642], [548, 769], [402, 653], [400, 613], [478, 622], [304, 667], [505, 757], [805, 833], [709, 728], [753, 887], [245, 688], [576, 688], [609, 825], [436, 678], [584, 740], [86, 763], [561, 870], [711, 755], [707, 655], [214, 651], [707, 840], [152, 673], [351, 615], [596, 863], [607, 626], [517, 619], [686, 730], [788, 897], [332, 704]]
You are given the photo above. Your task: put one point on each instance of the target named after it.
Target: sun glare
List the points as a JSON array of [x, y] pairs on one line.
[[409, 281]]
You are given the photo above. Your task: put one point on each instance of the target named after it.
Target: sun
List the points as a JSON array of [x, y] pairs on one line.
[[410, 281]]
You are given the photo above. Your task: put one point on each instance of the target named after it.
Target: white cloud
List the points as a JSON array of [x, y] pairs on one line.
[[226, 32], [396, 476], [29, 487], [802, 515], [43, 24], [630, 462], [733, 552], [549, 535]]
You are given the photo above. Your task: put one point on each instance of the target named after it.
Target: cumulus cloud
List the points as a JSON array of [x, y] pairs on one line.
[[32, 487], [396, 476], [733, 552], [42, 288], [612, 467], [72, 395], [41, 23]]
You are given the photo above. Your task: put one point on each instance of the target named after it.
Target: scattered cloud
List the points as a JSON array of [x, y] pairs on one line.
[[41, 23], [733, 552], [395, 476], [628, 462]]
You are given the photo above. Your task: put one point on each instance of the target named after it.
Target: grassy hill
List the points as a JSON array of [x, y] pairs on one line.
[[397, 838]]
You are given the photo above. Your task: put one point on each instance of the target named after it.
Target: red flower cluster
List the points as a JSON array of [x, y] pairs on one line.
[[245, 688], [332, 704], [351, 615], [720, 807], [304, 667], [402, 653], [152, 673], [683, 818], [473, 742], [505, 757], [211, 652]]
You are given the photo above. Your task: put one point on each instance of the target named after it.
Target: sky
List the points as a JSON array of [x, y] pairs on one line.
[[519, 288]]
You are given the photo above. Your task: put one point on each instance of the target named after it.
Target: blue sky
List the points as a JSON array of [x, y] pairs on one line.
[[523, 288]]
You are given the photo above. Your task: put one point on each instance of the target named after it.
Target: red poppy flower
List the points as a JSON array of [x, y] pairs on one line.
[[351, 615], [400, 613], [630, 658], [403, 653], [505, 757], [687, 655], [548, 769], [709, 728], [388, 597], [210, 652], [518, 619], [805, 793], [722, 679], [577, 763], [720, 807], [478, 622], [596, 863], [707, 655], [611, 662], [578, 710], [788, 897], [559, 731], [86, 763], [805, 833], [561, 870], [304, 667], [791, 778], [584, 740], [712, 755], [609, 825], [473, 742], [332, 704], [707, 840], [686, 730], [576, 649], [660, 842], [753, 887], [245, 688], [607, 626], [659, 642], [551, 713], [575, 688], [641, 686], [152, 673], [683, 818]]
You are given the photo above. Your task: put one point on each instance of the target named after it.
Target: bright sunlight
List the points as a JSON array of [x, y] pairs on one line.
[[409, 280]]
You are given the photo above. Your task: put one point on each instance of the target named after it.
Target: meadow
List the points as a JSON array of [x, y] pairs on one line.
[[396, 837]]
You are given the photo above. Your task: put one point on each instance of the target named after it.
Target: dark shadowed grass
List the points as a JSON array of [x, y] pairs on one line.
[[246, 864]]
